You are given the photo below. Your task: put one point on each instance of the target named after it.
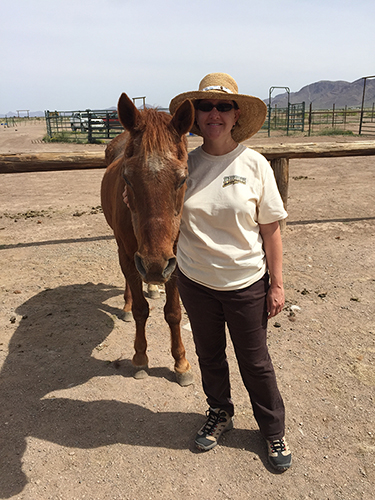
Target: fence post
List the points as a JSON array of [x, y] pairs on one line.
[[310, 118], [107, 124], [363, 105], [48, 123], [303, 115], [280, 167], [333, 116], [89, 128], [269, 119]]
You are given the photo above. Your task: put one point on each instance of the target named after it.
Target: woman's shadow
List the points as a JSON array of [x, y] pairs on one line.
[[52, 350]]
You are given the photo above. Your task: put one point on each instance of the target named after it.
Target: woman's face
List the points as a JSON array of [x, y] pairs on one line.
[[215, 125]]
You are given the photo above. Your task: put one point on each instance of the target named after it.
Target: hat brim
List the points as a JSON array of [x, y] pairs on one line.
[[252, 117]]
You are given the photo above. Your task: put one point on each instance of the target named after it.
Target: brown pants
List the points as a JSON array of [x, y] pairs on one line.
[[245, 313]]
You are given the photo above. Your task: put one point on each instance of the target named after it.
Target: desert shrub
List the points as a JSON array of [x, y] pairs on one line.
[[334, 131], [68, 137]]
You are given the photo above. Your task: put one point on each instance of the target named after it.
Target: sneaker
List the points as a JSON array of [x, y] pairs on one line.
[[279, 454], [218, 421]]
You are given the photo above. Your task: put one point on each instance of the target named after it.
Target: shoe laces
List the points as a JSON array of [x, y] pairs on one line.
[[213, 419], [278, 445]]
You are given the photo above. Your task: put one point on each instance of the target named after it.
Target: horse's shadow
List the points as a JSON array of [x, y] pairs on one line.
[[41, 361]]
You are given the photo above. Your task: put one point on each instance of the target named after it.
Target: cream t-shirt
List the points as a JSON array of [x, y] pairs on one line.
[[226, 198]]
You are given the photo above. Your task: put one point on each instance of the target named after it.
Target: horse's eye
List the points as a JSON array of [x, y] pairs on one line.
[[129, 150], [126, 180], [181, 183]]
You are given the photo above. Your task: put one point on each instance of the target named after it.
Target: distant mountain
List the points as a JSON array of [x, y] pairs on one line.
[[35, 114], [32, 114], [325, 93]]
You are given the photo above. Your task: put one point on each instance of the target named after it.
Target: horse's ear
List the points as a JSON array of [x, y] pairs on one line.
[[183, 118], [127, 112]]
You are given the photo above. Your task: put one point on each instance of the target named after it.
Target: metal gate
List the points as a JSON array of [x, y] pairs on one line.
[[83, 126], [291, 118], [297, 117], [367, 120]]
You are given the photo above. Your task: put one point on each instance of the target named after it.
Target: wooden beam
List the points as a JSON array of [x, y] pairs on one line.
[[316, 150], [277, 154], [43, 162], [39, 162]]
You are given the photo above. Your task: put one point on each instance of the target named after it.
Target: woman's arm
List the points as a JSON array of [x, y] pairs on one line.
[[274, 254]]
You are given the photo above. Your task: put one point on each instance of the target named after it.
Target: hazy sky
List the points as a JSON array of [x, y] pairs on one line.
[[78, 54]]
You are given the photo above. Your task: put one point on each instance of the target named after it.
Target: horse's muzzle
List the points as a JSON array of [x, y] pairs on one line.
[[155, 272]]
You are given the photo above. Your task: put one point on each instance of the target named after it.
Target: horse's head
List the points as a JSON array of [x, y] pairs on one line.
[[155, 172]]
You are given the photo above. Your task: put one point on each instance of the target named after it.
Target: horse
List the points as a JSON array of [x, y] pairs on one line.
[[150, 159]]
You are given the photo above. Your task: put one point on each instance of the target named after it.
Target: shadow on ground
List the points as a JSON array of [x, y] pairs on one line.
[[51, 350]]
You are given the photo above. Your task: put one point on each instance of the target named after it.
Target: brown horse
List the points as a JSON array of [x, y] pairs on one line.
[[150, 158]]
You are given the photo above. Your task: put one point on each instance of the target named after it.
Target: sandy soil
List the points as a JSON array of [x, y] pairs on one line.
[[74, 422]]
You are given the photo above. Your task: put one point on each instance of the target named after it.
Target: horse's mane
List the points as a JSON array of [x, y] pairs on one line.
[[156, 135]]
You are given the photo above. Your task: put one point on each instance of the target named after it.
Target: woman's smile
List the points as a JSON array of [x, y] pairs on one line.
[[216, 127]]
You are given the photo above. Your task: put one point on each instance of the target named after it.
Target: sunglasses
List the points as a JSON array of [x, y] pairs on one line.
[[222, 107]]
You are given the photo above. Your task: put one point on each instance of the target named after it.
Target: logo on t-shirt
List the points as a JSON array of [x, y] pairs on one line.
[[233, 179]]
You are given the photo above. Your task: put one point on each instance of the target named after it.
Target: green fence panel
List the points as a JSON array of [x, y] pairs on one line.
[[86, 126]]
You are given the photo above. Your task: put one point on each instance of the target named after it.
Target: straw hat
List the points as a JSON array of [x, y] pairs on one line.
[[223, 86]]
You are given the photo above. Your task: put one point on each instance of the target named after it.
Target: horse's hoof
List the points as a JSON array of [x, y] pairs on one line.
[[153, 292], [127, 316], [141, 373], [185, 379]]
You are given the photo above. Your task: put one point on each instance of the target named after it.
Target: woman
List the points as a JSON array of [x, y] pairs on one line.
[[230, 260]]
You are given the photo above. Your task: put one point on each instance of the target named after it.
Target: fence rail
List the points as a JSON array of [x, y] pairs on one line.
[[47, 161], [14, 121], [278, 155], [103, 125], [295, 118]]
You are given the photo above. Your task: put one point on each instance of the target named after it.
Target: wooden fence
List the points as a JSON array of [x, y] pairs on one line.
[[278, 155]]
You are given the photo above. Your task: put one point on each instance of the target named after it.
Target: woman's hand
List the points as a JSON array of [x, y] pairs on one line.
[[125, 196], [275, 300]]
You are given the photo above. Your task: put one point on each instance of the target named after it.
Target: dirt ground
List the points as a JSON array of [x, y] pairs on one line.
[[75, 424]]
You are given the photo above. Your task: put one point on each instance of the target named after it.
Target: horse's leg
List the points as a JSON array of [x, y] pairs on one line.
[[140, 310], [172, 314], [128, 316]]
